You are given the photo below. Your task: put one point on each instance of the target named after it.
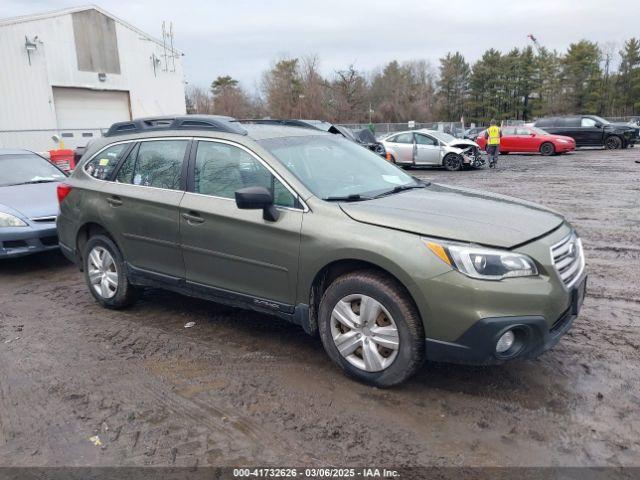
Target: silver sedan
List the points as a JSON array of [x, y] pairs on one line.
[[432, 148]]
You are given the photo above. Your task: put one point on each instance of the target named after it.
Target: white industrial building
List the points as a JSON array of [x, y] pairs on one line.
[[74, 72]]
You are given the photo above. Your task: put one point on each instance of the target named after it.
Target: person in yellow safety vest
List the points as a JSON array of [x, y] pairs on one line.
[[493, 135]]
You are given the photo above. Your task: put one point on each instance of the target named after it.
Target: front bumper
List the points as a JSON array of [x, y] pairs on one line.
[[18, 242], [533, 334]]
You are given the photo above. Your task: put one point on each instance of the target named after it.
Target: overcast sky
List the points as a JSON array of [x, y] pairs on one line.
[[242, 38]]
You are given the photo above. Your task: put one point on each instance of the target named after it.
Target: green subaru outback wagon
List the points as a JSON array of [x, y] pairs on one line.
[[390, 271]]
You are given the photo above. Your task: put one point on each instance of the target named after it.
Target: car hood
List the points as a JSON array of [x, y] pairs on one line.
[[31, 201], [458, 214]]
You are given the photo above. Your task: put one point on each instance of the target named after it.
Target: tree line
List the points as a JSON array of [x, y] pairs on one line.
[[521, 84]]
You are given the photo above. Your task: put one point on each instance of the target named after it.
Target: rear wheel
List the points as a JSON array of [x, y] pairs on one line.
[[613, 143], [370, 328], [452, 162], [104, 272], [547, 149]]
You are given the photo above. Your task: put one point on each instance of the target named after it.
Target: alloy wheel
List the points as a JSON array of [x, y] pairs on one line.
[[365, 333], [103, 273]]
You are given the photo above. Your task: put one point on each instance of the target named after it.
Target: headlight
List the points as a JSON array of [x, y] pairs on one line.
[[484, 263], [7, 220]]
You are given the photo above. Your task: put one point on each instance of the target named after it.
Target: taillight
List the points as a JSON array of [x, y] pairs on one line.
[[63, 190]]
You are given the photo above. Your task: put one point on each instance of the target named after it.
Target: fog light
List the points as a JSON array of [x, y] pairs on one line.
[[505, 342]]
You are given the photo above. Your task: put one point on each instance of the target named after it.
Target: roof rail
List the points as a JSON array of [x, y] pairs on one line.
[[274, 121], [217, 123]]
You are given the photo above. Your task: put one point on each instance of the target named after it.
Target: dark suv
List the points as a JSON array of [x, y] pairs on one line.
[[313, 228], [590, 131]]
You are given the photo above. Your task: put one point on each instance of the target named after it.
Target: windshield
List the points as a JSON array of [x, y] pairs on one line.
[[335, 168], [443, 137], [600, 119], [27, 168]]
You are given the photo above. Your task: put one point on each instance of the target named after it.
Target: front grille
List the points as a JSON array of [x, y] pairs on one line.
[[568, 259]]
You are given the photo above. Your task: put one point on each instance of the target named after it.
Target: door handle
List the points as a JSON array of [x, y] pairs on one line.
[[192, 218], [114, 201]]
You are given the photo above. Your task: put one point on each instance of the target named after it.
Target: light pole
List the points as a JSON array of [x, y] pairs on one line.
[[300, 97]]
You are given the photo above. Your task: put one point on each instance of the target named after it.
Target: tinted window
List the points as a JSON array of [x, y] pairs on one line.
[[424, 140], [222, 169], [103, 164], [404, 138], [570, 122], [20, 169], [155, 164]]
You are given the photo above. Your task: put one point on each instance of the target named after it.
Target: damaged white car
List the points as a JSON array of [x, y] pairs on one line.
[[433, 149]]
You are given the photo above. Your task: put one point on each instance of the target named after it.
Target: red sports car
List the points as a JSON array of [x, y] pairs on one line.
[[530, 139]]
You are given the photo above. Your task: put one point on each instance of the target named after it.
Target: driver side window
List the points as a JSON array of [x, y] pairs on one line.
[[588, 122]]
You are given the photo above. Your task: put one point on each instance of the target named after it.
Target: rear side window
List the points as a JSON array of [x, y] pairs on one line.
[[404, 138], [222, 169], [157, 163], [102, 164], [570, 122]]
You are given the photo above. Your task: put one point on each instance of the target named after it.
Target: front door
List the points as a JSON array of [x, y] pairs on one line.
[[590, 132], [141, 205], [232, 251], [427, 150]]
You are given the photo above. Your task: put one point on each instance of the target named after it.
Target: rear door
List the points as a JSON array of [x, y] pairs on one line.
[[141, 205], [509, 141], [427, 150], [403, 146], [233, 252]]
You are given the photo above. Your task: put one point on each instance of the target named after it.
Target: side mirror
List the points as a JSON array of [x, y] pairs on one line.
[[598, 125], [533, 134], [257, 198]]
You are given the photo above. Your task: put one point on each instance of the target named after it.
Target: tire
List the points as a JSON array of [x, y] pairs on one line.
[[103, 259], [452, 162], [385, 366], [547, 148], [613, 142]]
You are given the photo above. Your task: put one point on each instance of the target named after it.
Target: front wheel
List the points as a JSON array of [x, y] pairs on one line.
[[104, 272], [547, 149], [371, 329], [613, 143], [452, 162]]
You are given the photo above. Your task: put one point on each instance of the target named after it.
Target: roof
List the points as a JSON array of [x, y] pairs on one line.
[[14, 151], [82, 8], [262, 132]]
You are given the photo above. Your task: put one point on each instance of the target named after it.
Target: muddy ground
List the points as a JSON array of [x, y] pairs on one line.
[[240, 388]]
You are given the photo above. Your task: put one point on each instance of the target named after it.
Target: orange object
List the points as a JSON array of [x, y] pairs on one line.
[[63, 159]]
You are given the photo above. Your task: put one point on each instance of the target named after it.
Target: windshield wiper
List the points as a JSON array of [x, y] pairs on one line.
[[400, 188], [354, 197]]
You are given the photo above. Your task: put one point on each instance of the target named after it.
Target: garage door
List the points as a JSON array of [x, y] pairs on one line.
[[81, 108]]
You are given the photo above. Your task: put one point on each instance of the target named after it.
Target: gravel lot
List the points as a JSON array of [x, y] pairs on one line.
[[241, 388]]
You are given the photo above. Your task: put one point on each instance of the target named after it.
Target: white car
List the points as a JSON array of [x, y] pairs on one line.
[[433, 149]]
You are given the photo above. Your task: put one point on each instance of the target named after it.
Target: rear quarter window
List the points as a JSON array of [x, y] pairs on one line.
[[102, 164]]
